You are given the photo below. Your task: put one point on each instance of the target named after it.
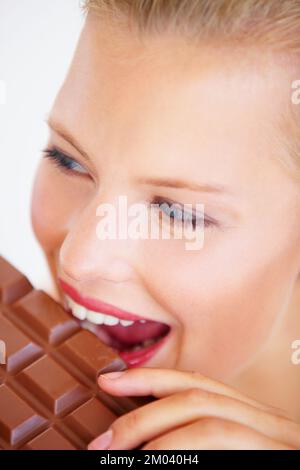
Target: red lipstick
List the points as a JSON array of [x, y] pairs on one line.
[[127, 340], [97, 305]]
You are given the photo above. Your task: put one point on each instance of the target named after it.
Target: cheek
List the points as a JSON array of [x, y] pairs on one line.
[[227, 300], [55, 203], [46, 221]]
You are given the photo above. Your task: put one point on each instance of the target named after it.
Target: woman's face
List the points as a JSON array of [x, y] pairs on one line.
[[145, 117]]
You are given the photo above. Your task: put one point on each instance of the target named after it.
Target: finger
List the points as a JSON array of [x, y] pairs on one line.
[[147, 422], [215, 434], [163, 382]]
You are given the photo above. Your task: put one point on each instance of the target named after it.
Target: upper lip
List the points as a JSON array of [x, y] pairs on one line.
[[97, 305]]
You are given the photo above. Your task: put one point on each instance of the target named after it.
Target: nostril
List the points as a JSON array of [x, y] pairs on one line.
[[83, 266]]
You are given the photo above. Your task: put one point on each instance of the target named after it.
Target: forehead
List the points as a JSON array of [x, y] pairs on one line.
[[160, 96], [112, 69]]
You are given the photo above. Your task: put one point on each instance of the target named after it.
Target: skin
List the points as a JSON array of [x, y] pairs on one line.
[[164, 109]]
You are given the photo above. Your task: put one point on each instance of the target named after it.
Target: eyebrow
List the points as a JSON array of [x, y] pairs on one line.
[[158, 182], [180, 184], [65, 134]]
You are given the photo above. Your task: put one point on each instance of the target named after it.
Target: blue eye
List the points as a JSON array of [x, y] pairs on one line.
[[177, 214], [64, 162]]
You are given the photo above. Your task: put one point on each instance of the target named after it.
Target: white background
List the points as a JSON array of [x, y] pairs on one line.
[[37, 41]]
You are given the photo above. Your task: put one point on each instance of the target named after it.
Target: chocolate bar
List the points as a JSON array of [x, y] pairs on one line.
[[49, 397]]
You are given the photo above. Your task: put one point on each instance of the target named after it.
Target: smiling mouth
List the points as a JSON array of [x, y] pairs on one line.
[[124, 335]]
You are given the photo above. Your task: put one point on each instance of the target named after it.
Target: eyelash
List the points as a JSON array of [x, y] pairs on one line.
[[63, 162], [68, 165], [192, 218]]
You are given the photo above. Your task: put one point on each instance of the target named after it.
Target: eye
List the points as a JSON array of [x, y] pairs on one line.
[[64, 162], [177, 213]]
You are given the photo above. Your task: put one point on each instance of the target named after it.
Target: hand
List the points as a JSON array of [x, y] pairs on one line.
[[192, 412]]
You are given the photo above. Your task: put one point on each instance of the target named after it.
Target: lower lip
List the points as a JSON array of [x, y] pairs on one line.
[[137, 358]]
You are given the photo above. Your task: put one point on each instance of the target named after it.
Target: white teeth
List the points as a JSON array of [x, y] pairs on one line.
[[79, 312], [144, 344], [148, 342], [126, 322], [137, 347], [94, 317], [97, 318], [70, 302], [109, 320]]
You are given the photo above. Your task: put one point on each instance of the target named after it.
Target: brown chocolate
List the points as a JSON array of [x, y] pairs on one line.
[[49, 397]]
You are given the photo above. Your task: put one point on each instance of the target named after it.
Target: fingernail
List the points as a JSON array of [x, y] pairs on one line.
[[102, 442], [112, 375]]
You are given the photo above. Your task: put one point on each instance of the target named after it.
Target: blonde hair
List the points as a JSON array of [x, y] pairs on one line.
[[274, 24]]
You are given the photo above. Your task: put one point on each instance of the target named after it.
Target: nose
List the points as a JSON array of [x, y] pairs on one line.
[[85, 257]]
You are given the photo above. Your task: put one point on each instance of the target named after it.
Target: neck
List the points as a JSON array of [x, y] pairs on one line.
[[273, 378]]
